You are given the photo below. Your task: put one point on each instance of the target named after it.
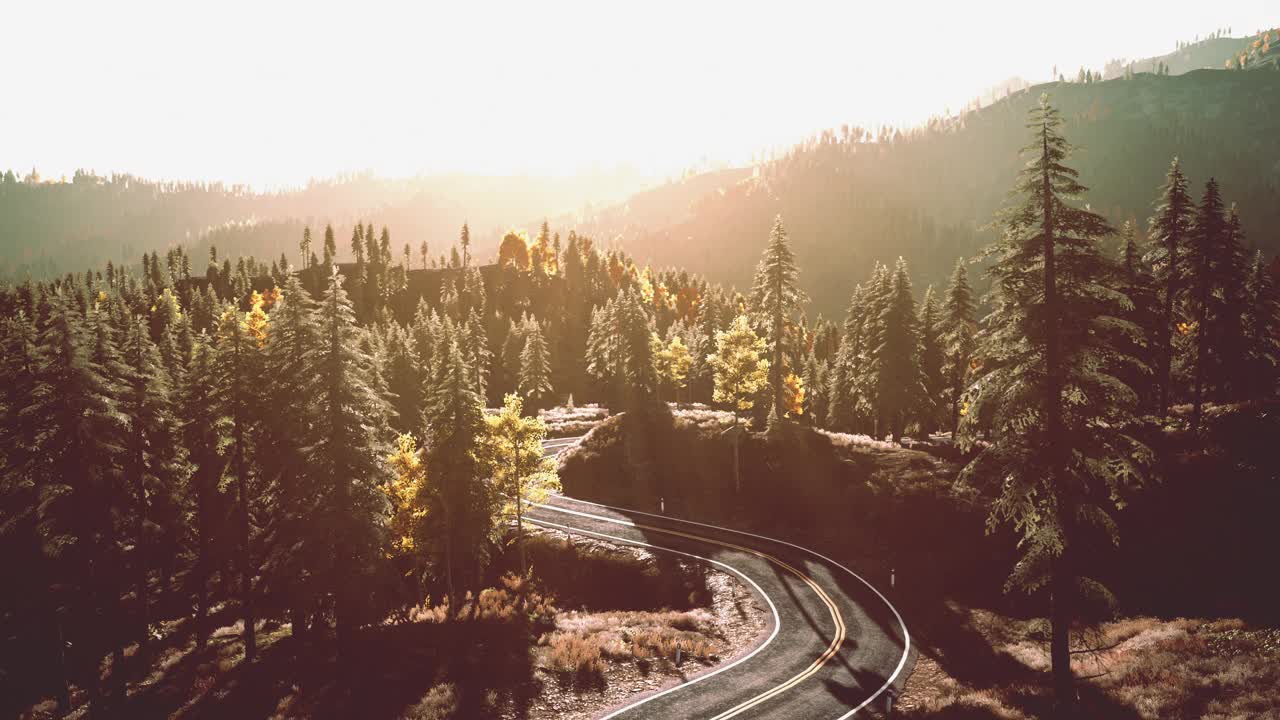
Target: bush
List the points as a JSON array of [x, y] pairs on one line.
[[438, 704]]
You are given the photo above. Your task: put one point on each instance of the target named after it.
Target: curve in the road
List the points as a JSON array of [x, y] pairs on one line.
[[831, 650], [705, 676]]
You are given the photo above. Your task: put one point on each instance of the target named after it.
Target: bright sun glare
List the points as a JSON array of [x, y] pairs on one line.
[[276, 93]]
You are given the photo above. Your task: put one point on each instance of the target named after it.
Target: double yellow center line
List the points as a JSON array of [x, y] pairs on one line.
[[817, 664]]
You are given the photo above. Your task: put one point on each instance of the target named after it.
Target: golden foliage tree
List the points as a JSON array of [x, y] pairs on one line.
[[407, 495], [793, 394], [674, 362], [514, 250], [738, 365], [256, 320], [524, 474]]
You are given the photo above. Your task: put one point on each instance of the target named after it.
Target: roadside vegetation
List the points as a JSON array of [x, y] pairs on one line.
[[1195, 633]]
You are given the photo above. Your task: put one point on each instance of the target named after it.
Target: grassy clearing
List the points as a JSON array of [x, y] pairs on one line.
[[582, 642], [1147, 669], [572, 421]]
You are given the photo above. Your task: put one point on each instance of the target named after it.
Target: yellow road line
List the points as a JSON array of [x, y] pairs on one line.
[[822, 659]]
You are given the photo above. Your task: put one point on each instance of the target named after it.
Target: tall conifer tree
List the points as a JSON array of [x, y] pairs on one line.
[[1202, 252], [345, 464], [776, 296], [959, 339], [1170, 234], [1053, 407]]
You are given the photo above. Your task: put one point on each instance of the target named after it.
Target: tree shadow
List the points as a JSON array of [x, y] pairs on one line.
[[389, 669]]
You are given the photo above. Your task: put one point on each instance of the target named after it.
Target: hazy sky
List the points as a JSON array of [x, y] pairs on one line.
[[273, 93]]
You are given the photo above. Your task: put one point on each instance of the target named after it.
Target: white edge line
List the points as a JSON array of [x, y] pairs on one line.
[[906, 637], [777, 621]]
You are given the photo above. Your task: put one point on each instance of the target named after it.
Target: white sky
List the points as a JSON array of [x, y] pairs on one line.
[[273, 93]]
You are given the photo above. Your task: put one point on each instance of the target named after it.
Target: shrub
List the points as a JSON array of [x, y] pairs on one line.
[[439, 703]]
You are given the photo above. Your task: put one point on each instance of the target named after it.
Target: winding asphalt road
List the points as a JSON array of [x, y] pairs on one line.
[[834, 647]]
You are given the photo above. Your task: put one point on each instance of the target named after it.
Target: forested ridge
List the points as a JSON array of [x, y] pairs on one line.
[[274, 434], [855, 196], [50, 226]]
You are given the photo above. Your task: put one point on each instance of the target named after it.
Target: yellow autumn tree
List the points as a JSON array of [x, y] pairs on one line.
[[674, 362], [514, 250], [514, 448], [793, 394], [256, 320], [407, 496], [738, 365]]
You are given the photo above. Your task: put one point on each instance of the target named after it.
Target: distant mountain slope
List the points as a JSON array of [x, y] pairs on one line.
[[926, 194], [1214, 53], [48, 228]]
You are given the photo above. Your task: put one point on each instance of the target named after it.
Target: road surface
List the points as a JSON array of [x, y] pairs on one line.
[[835, 646]]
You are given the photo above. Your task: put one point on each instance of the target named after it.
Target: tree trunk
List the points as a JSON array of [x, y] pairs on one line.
[[1202, 346], [1166, 329], [246, 573], [777, 350], [297, 620], [448, 563], [1060, 612], [140, 554], [955, 406], [202, 564], [524, 565], [63, 691]]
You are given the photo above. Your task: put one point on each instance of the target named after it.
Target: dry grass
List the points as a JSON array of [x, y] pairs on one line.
[[582, 643], [1146, 668], [571, 421], [702, 418], [440, 703], [516, 600]]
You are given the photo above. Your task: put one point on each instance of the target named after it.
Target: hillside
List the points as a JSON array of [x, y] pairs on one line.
[[53, 227], [850, 199]]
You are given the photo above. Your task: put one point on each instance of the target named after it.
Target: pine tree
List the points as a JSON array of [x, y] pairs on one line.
[[931, 357], [1048, 398], [76, 454], [476, 352], [345, 464], [403, 379], [521, 469], [816, 381], [290, 387], [330, 249], [1170, 234], [1202, 250], [776, 295], [535, 365], [1260, 326], [235, 377], [460, 507], [304, 247], [465, 241], [203, 432], [29, 619], [1136, 283], [1226, 326], [959, 339], [602, 348], [900, 381], [638, 372], [152, 463]]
